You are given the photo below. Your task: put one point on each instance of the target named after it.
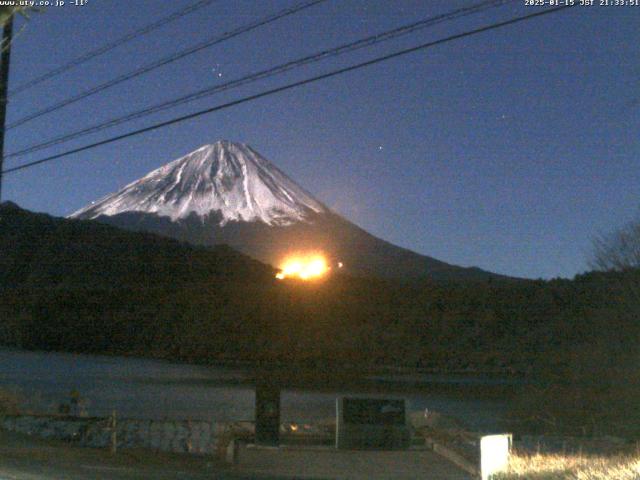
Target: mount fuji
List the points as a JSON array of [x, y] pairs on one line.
[[228, 193]]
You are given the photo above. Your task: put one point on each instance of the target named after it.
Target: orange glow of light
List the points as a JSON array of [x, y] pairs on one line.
[[303, 267]]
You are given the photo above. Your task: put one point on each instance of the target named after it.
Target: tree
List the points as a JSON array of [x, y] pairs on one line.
[[7, 12], [619, 250]]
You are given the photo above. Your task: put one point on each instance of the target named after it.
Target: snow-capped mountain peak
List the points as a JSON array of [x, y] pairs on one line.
[[227, 178]]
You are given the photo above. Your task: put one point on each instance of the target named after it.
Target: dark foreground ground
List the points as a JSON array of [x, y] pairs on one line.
[[28, 458]]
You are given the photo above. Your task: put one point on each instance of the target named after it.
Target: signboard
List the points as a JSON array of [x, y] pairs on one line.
[[371, 423], [373, 411]]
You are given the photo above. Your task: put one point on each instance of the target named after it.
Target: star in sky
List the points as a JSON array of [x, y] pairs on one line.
[[216, 70]]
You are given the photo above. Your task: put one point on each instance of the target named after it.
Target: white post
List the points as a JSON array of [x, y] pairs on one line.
[[494, 454]]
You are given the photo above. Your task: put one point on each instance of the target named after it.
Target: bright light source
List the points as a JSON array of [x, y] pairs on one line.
[[303, 267]]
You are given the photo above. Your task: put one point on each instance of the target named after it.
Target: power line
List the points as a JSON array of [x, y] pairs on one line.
[[288, 87], [165, 61], [253, 77], [110, 46]]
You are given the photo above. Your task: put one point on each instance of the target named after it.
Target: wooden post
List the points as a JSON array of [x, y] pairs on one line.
[[267, 413], [114, 433]]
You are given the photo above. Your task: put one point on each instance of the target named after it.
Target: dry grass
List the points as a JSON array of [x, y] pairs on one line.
[[573, 467]]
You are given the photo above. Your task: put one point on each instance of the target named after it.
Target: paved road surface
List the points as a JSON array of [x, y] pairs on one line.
[[318, 463], [27, 458]]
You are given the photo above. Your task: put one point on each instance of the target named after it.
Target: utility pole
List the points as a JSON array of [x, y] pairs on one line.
[[7, 34]]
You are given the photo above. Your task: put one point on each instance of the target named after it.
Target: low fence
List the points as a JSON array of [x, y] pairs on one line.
[[184, 436]]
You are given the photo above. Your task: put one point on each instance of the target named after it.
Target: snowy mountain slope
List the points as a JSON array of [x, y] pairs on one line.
[[228, 193], [230, 179]]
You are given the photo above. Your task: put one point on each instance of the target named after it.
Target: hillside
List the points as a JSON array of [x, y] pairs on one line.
[[40, 250], [85, 286]]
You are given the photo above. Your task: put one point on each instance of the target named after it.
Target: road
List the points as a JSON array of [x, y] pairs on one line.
[[27, 458]]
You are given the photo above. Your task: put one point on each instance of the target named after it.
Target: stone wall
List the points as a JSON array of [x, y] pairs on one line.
[[183, 436]]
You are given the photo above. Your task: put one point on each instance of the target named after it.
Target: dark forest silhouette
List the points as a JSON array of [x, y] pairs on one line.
[[86, 287]]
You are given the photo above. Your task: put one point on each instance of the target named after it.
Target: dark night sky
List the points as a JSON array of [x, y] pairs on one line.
[[507, 150]]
